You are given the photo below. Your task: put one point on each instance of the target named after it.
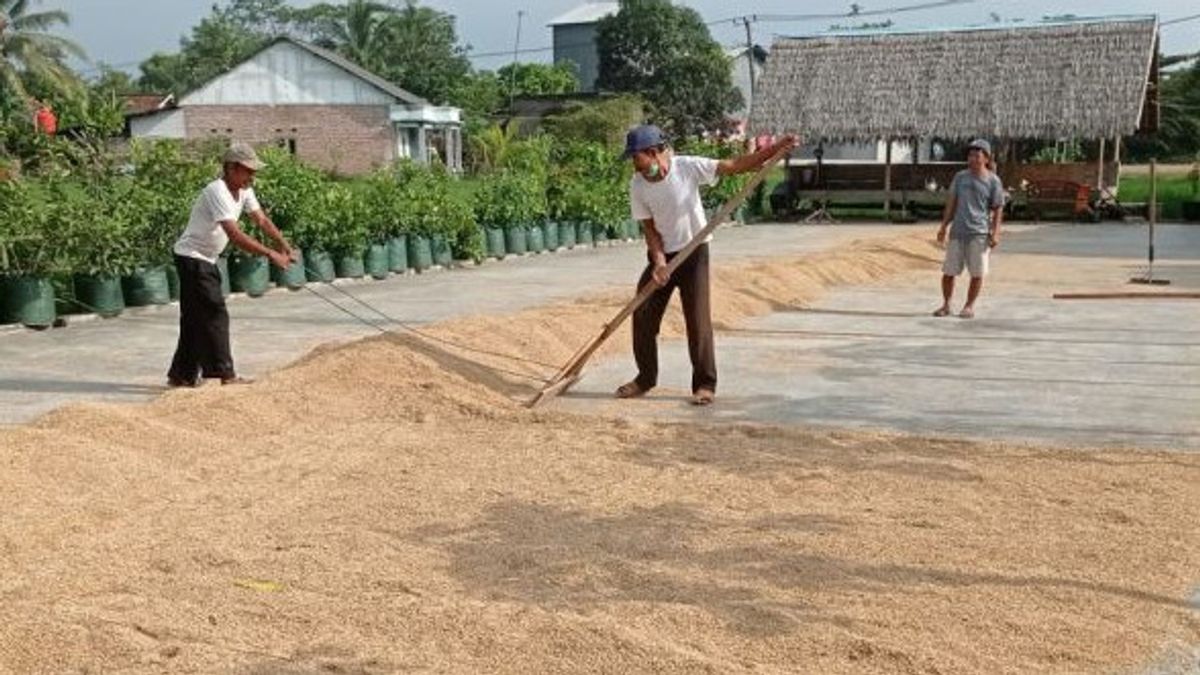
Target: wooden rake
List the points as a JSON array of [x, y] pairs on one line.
[[569, 374]]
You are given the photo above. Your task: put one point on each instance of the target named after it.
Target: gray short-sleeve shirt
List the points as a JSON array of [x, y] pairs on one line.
[[976, 197]]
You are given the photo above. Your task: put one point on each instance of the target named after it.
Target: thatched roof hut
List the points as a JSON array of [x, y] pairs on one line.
[[1088, 78]]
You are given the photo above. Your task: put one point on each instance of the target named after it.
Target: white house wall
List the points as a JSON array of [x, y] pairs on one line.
[[287, 75], [165, 124]]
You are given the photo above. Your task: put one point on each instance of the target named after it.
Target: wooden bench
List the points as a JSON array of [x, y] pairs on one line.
[[1060, 196]]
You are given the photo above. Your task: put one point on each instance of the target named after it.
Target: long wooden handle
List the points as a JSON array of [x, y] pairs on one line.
[[567, 375]]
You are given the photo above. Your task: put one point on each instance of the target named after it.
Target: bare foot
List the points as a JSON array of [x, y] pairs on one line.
[[631, 390], [967, 313], [942, 311], [703, 397]]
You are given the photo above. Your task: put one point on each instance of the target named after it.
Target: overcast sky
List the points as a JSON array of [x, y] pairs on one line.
[[124, 32]]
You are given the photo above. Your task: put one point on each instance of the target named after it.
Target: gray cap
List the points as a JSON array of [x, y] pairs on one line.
[[980, 144], [242, 153]]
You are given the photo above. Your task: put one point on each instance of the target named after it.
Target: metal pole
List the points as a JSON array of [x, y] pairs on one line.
[[1153, 214], [749, 57], [887, 182], [512, 80]]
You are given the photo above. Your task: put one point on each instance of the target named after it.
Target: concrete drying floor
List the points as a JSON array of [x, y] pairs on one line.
[[1029, 368]]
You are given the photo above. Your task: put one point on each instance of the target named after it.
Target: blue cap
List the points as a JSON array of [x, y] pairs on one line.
[[641, 138], [980, 144]]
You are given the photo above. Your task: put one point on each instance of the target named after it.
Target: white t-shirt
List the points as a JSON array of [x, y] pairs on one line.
[[204, 238], [674, 202]]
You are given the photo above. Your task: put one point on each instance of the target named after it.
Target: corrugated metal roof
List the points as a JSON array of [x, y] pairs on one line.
[[589, 12], [357, 71]]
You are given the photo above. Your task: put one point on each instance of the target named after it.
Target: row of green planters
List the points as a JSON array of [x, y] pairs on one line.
[[552, 236], [38, 301]]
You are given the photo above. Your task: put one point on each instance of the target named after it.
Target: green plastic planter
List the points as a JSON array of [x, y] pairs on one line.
[[146, 286], [420, 252], [376, 261], [249, 274], [440, 248], [173, 282], [514, 240], [28, 301], [535, 241], [350, 265], [223, 269], [64, 295], [568, 235], [318, 266], [494, 242], [550, 235], [398, 254], [584, 236], [294, 276], [600, 234], [100, 294]]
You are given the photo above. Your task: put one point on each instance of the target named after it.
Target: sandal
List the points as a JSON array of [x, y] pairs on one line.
[[631, 390], [176, 383], [703, 397]]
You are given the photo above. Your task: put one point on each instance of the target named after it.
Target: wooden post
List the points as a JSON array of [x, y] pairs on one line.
[[887, 182], [1153, 209], [1100, 170]]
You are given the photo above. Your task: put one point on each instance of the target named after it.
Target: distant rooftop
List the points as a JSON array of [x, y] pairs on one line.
[[589, 12]]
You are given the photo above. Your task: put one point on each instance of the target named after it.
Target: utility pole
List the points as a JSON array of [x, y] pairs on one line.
[[750, 54], [512, 80]]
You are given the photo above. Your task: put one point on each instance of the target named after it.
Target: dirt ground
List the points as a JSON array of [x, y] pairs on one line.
[[389, 506]]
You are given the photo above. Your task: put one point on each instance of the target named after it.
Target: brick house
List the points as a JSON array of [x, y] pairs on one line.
[[327, 110]]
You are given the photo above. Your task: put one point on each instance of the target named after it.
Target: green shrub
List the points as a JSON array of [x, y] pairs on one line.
[[26, 245]]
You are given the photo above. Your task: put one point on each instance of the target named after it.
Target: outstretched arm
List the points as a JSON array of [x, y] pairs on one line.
[[755, 160]]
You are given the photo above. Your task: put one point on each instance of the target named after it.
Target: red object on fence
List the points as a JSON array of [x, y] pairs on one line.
[[45, 121]]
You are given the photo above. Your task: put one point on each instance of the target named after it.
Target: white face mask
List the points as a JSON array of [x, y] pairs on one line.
[[654, 170]]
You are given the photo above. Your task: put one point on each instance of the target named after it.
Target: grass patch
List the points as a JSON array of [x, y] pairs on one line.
[[1173, 191]]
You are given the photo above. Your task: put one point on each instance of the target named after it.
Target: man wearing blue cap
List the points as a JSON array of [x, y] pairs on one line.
[[975, 207], [664, 196]]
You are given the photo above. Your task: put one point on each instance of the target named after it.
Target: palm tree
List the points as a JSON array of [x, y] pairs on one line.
[[363, 35], [27, 49]]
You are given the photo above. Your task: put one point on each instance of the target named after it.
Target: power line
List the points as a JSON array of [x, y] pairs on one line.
[[1182, 19], [782, 18]]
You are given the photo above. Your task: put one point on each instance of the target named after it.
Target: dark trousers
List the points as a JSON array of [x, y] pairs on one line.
[[691, 278], [203, 349]]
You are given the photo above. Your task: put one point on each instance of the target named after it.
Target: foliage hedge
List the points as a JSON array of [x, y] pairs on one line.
[[120, 214]]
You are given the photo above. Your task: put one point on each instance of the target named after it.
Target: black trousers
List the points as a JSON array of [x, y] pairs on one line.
[[203, 349], [691, 278]]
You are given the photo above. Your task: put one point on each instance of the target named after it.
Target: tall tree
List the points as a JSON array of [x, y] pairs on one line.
[[217, 44], [538, 79], [424, 56], [364, 33], [665, 53], [28, 49]]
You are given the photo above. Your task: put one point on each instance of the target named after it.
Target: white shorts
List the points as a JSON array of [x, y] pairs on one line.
[[971, 253]]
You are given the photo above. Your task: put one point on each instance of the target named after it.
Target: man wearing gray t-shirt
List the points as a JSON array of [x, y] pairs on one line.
[[975, 208]]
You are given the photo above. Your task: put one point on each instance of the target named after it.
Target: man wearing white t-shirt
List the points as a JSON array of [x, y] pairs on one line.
[[664, 195], [203, 350]]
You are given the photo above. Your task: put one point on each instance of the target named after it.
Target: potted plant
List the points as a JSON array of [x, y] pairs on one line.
[[286, 189], [96, 231], [28, 256]]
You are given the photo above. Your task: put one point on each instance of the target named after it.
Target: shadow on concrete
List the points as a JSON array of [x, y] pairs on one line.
[[40, 386]]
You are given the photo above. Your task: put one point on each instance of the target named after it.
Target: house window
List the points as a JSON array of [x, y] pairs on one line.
[[288, 144]]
